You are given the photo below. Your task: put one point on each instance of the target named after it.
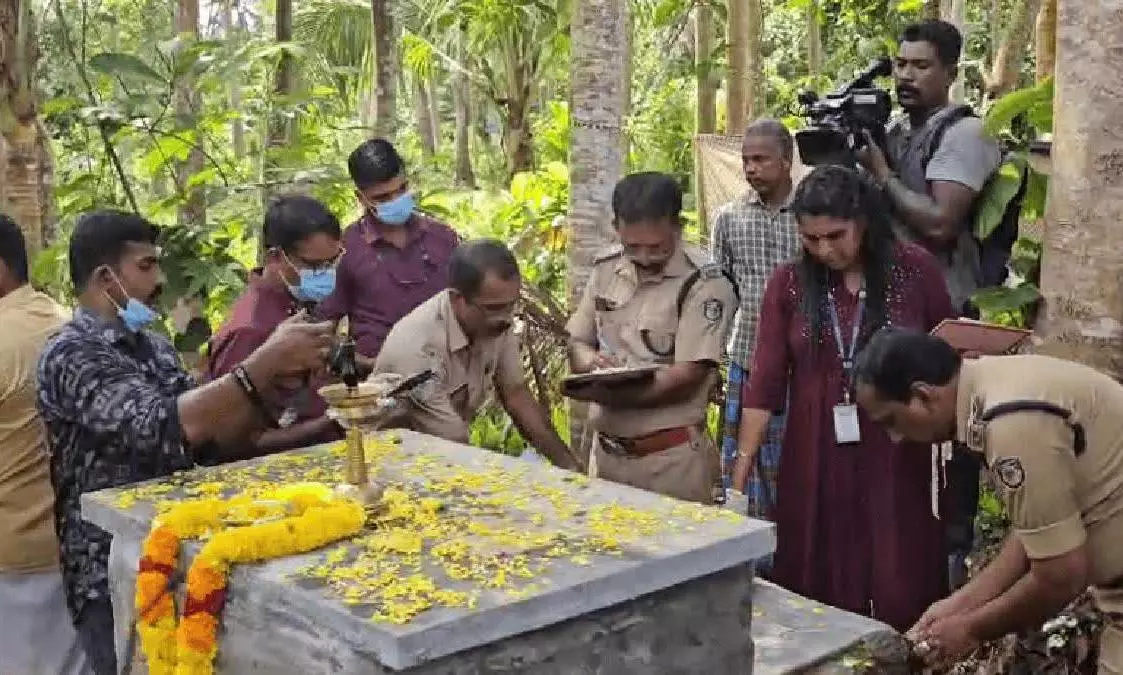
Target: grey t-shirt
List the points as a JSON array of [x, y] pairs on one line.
[[965, 155]]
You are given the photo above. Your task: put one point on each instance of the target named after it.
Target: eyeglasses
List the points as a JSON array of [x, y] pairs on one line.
[[372, 202], [315, 265], [504, 310]]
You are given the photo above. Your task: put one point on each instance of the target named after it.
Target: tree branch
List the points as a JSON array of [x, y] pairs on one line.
[[92, 96]]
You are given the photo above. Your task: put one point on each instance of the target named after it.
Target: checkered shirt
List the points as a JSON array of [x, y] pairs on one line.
[[749, 242]]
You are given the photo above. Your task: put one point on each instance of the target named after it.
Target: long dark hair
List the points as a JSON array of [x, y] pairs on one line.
[[843, 193]]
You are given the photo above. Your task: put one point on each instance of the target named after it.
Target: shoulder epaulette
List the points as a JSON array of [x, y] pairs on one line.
[[611, 253]]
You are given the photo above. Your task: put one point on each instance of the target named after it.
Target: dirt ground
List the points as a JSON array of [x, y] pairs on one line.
[[1066, 644]]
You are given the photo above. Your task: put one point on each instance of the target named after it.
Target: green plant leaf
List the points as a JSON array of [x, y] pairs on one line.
[[997, 194], [116, 64], [1005, 299], [1019, 101]]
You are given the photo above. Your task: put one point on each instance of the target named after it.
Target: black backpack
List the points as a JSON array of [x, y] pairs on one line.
[[995, 233]]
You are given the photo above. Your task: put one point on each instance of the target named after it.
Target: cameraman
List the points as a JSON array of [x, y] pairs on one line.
[[939, 157], [939, 160]]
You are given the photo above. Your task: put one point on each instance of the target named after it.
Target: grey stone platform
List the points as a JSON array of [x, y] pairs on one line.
[[675, 598], [792, 634]]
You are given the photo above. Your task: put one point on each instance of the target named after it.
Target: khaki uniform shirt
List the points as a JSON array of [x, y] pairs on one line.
[[638, 322], [430, 337], [27, 528], [1056, 500]]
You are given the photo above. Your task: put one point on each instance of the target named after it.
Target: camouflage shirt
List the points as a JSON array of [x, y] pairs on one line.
[[109, 400]]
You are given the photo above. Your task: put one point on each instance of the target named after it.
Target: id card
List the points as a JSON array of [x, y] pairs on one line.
[[846, 429]]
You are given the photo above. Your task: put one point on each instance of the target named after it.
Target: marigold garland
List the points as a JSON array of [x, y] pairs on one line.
[[306, 517]]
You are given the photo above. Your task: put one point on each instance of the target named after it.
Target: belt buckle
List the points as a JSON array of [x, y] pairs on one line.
[[613, 446]]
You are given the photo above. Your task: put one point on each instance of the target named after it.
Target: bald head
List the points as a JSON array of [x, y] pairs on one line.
[[774, 130]]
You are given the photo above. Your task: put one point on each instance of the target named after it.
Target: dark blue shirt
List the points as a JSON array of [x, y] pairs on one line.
[[108, 399]]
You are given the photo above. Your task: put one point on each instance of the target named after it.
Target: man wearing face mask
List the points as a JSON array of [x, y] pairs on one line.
[[397, 257], [119, 407], [302, 242], [464, 335], [653, 301]]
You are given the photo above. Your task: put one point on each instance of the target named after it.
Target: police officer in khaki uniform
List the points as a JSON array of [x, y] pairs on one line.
[[1051, 433], [653, 301], [464, 335]]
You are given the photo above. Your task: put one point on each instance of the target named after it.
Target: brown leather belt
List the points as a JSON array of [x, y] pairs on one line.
[[641, 446]]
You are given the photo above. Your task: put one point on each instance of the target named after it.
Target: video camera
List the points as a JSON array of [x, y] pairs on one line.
[[836, 121]]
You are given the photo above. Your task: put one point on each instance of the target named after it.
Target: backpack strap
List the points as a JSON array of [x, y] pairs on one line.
[[944, 121], [1079, 441]]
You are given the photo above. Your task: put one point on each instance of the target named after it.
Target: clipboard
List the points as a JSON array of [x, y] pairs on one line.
[[610, 377], [988, 339]]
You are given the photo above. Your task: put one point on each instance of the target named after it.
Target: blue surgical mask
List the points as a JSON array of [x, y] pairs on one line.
[[136, 315], [315, 285], [396, 211]]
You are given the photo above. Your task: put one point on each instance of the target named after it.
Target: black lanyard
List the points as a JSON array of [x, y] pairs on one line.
[[847, 355]]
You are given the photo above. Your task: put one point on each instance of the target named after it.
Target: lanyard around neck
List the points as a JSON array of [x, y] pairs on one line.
[[844, 353]]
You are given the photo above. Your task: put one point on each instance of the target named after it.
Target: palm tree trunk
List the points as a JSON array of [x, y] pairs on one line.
[[736, 79], [1045, 40], [386, 69], [706, 110], [597, 145], [955, 13], [814, 40], [462, 103], [25, 161], [1004, 72], [1082, 262], [193, 209], [435, 109], [754, 63], [234, 89], [423, 111]]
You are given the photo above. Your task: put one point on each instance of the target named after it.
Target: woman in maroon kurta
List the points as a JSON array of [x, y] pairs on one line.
[[854, 520]]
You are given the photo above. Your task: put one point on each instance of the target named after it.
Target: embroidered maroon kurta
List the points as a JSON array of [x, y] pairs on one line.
[[854, 522]]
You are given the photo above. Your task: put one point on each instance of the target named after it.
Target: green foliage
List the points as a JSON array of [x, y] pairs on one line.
[[510, 50], [1036, 102], [996, 196]]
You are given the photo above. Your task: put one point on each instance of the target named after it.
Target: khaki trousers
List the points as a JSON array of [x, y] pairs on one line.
[[684, 471]]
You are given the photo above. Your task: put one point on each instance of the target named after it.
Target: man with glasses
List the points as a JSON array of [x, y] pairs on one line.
[[302, 241], [653, 301], [397, 257], [465, 336]]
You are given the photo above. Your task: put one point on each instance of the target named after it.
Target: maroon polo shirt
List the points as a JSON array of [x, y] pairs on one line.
[[377, 283], [252, 319]]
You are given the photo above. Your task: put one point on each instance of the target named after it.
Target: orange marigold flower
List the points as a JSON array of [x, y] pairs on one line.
[[164, 607], [203, 579], [198, 632], [149, 586], [162, 545]]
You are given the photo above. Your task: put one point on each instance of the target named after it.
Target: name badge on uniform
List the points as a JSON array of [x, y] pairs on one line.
[[846, 428]]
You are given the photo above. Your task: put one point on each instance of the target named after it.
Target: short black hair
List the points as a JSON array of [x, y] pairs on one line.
[[101, 237], [293, 218], [774, 129], [375, 161], [942, 35], [473, 260], [648, 195], [13, 249], [896, 358]]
